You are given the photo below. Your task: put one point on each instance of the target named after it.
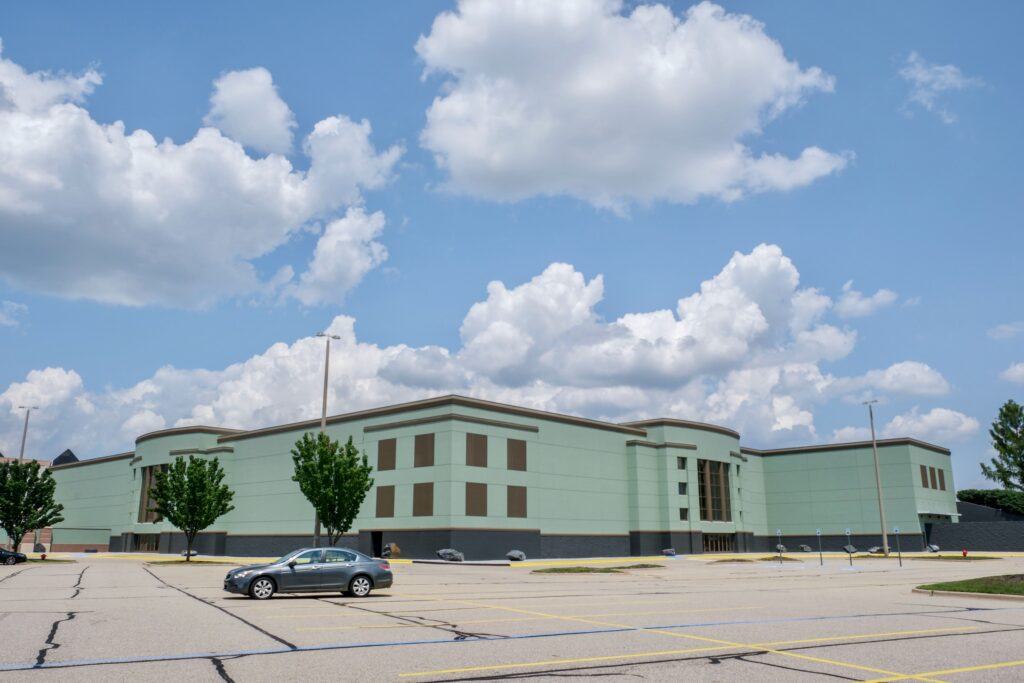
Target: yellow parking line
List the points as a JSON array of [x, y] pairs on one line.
[[636, 655], [345, 615], [620, 560], [962, 670], [689, 636]]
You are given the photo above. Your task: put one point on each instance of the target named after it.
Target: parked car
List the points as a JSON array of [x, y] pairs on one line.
[[11, 557], [312, 570]]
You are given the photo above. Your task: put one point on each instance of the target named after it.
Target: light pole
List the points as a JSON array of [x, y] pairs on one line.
[[24, 432], [878, 476], [323, 423]]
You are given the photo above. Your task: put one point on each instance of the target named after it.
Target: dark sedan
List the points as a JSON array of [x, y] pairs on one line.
[[11, 557], [312, 570]]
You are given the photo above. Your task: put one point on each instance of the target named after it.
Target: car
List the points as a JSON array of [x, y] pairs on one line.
[[312, 570], [11, 557]]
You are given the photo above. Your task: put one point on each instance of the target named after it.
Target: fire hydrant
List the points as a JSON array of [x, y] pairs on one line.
[[965, 552]]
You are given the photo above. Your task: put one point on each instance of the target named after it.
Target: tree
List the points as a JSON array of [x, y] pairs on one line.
[[26, 499], [334, 478], [1008, 439], [191, 496], [1008, 501]]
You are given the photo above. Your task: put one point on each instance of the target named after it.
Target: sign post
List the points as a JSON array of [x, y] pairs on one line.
[[899, 553], [821, 559], [778, 534], [848, 553]]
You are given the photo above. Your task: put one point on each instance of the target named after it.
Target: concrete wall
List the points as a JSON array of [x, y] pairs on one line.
[[1007, 536]]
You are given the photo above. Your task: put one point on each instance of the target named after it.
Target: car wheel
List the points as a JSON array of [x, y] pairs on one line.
[[360, 586], [262, 588], [10, 560]]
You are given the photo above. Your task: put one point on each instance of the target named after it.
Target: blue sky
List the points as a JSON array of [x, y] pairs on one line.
[[645, 146]]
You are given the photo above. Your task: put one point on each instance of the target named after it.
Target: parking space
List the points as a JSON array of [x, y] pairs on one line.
[[116, 619]]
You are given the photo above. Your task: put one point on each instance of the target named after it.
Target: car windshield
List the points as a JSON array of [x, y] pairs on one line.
[[288, 556]]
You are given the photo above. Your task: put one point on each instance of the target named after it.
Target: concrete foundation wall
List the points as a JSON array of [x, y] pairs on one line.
[[1007, 536]]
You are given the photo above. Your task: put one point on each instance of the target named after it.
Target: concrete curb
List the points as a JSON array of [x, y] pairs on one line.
[[484, 563], [961, 594]]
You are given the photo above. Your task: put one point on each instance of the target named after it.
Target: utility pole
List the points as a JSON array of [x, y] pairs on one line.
[[24, 432], [323, 423], [878, 476]]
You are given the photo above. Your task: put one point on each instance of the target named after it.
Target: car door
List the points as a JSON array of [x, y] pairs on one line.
[[339, 565], [304, 575]]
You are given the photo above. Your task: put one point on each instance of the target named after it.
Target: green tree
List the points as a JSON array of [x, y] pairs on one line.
[[191, 496], [1008, 439], [26, 499], [334, 478]]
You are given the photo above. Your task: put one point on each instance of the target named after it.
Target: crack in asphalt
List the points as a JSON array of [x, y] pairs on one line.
[[248, 623], [15, 573], [439, 624], [218, 664], [78, 583], [50, 644]]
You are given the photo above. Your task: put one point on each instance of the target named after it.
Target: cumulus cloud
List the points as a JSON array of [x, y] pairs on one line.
[[94, 211], [1007, 331], [929, 83], [747, 349], [246, 107], [612, 106], [853, 304], [10, 311], [1014, 373], [938, 425]]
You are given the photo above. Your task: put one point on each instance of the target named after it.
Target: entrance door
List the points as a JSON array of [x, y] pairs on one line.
[[146, 543], [377, 540], [719, 543]]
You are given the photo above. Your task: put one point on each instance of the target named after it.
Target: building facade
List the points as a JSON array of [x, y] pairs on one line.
[[485, 478]]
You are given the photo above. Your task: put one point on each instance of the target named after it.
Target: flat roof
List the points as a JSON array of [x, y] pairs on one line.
[[902, 441]]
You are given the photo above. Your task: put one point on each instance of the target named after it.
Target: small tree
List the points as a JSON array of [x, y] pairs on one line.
[[26, 499], [1008, 439], [334, 478], [190, 496]]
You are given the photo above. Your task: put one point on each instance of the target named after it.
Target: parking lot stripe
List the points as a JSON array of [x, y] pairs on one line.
[[944, 672]]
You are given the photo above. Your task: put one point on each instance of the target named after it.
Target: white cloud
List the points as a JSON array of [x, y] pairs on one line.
[[930, 82], [246, 107], [853, 304], [1007, 331], [747, 350], [343, 255], [937, 425], [1014, 373], [582, 99], [90, 210], [9, 313]]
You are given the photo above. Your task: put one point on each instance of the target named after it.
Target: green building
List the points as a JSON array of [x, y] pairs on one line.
[[485, 478]]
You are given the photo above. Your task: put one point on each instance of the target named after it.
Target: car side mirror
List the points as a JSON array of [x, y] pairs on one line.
[[291, 564]]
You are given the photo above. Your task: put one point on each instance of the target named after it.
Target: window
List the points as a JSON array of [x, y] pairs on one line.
[[942, 480], [931, 477], [424, 451], [713, 479], [517, 455], [145, 502], [423, 500], [385, 454], [682, 488], [476, 450], [338, 555], [684, 514], [680, 463], [308, 557], [924, 476], [385, 501], [476, 500], [517, 501]]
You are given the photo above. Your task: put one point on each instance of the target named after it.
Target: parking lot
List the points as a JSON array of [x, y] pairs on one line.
[[104, 619]]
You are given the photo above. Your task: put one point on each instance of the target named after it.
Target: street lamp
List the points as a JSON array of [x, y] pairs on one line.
[[323, 423], [24, 433], [878, 476]]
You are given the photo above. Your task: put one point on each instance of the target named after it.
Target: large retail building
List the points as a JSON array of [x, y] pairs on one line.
[[486, 478]]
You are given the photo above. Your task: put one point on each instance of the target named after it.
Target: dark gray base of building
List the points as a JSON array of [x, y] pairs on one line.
[[1007, 536], [493, 544]]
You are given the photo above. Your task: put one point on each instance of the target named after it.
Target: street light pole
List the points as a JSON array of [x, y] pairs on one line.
[[24, 432], [323, 423], [878, 476]]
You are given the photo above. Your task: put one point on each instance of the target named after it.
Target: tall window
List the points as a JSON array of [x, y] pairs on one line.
[[931, 477], [385, 454], [682, 488], [145, 502], [385, 501], [423, 451], [476, 499], [713, 479], [517, 455], [942, 480], [476, 450], [680, 462], [516, 501], [423, 499], [924, 476]]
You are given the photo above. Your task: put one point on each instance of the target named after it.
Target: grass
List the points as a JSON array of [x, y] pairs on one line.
[[956, 558], [775, 558], [1009, 584], [594, 570], [51, 561], [730, 560]]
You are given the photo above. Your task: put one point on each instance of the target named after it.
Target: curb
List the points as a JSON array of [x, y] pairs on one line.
[[464, 564], [961, 594]]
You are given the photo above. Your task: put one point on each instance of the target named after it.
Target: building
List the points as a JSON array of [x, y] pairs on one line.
[[485, 477]]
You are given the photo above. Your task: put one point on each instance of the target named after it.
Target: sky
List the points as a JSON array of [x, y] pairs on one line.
[[759, 215]]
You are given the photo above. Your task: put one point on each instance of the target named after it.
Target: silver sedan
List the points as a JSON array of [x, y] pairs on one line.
[[312, 570]]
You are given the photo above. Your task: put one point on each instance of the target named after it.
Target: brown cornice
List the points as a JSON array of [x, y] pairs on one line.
[[672, 422], [93, 461], [902, 441], [439, 401], [446, 417], [667, 444], [198, 429]]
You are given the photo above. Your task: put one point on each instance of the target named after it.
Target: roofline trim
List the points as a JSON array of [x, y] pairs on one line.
[[688, 424], [448, 417], [900, 441], [92, 461], [197, 429]]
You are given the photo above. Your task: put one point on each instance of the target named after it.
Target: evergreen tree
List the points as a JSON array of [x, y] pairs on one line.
[[191, 496], [334, 478], [1008, 439], [26, 499]]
